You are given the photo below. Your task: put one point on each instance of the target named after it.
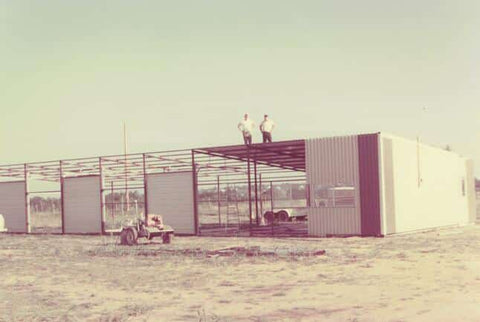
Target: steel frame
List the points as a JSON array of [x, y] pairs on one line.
[[271, 162]]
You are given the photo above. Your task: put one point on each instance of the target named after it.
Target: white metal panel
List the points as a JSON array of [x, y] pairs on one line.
[[82, 205], [427, 186], [333, 161], [387, 186], [170, 194], [13, 206], [470, 187]]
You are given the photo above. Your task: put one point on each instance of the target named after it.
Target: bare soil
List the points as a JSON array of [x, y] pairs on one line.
[[431, 276]]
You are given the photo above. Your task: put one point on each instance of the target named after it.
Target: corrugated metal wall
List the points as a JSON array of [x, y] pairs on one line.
[[369, 184], [333, 161], [171, 195], [13, 206], [333, 221], [82, 211]]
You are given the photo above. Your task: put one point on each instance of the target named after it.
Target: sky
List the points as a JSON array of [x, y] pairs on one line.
[[181, 74]]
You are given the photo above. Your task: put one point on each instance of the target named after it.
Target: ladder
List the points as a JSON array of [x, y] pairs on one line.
[[233, 215]]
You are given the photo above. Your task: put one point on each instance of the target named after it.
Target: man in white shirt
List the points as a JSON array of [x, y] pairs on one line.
[[266, 127], [246, 126]]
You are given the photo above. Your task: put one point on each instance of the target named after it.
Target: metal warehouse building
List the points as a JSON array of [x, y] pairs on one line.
[[366, 185]]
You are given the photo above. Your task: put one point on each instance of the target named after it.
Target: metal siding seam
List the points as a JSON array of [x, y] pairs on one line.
[[320, 162], [346, 157], [359, 218], [317, 156], [314, 160], [328, 162], [381, 188]]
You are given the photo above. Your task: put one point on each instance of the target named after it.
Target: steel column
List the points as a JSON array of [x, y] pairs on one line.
[[256, 191], [271, 204], [61, 197], [195, 188], [102, 202], [261, 193], [145, 186], [27, 199], [218, 201], [249, 191]]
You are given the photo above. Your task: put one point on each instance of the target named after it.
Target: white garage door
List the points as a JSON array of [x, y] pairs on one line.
[[81, 205], [171, 195], [13, 206]]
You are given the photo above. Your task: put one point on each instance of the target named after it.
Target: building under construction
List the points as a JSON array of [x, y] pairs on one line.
[[366, 185]]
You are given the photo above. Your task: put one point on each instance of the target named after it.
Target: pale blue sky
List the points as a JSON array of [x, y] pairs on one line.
[[182, 73]]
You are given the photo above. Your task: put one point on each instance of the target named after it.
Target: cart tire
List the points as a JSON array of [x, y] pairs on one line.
[[269, 217], [282, 215], [167, 238], [129, 236]]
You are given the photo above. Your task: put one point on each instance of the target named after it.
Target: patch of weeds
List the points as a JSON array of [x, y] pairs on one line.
[[204, 317], [223, 301]]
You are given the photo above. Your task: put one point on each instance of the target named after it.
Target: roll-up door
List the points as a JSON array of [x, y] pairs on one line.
[[171, 195], [81, 205], [13, 206]]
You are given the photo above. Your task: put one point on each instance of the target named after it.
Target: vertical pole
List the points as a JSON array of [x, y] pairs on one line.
[[62, 205], [102, 200], [256, 192], [271, 196], [261, 194], [271, 204], [227, 199], [218, 202], [145, 186], [195, 204], [249, 190], [126, 165], [27, 200], [112, 201]]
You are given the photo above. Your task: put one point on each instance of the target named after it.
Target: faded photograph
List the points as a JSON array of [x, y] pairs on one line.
[[239, 161]]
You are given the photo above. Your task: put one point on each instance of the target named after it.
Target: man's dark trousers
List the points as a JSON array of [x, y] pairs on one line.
[[267, 137]]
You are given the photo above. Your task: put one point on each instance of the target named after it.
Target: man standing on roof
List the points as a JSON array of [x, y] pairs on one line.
[[266, 127], [246, 126]]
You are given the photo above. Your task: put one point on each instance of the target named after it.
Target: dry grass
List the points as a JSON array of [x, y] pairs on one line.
[[46, 221], [432, 276]]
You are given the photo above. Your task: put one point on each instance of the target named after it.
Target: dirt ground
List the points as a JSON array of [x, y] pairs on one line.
[[431, 276]]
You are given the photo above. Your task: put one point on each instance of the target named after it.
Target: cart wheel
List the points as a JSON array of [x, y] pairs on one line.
[[129, 236], [269, 216], [167, 238], [282, 215]]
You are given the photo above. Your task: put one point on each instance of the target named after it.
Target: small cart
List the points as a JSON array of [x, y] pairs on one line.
[[153, 228]]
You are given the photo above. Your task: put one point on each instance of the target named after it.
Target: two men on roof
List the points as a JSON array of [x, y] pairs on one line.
[[246, 126]]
